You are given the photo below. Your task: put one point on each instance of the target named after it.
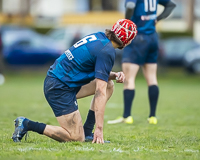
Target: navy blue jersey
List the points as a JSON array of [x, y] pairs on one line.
[[145, 14], [91, 57]]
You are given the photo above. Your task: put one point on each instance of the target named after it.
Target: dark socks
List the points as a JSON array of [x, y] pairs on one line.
[[153, 99], [89, 123], [128, 99], [36, 126]]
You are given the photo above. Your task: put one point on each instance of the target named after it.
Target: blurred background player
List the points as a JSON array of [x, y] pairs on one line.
[[2, 78], [82, 70], [143, 51]]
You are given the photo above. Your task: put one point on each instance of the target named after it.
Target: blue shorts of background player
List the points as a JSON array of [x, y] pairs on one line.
[[143, 49]]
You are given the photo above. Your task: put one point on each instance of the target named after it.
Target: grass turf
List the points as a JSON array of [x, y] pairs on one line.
[[176, 136]]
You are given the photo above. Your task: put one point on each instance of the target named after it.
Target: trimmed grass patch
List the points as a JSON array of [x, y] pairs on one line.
[[176, 136]]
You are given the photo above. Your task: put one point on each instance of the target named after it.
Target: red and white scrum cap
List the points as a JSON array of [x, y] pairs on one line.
[[125, 30]]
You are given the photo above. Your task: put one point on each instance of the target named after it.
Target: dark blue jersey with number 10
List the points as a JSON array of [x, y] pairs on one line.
[[91, 57], [145, 14]]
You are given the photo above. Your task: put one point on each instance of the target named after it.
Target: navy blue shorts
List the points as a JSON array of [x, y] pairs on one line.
[[143, 49], [60, 97]]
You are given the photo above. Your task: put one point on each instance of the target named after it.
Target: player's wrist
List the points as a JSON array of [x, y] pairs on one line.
[[99, 127], [112, 76]]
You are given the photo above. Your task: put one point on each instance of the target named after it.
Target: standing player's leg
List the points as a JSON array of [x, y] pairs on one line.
[[150, 74], [130, 70]]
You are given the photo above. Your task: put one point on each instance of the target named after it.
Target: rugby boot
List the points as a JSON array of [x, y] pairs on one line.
[[21, 128], [128, 120], [152, 120]]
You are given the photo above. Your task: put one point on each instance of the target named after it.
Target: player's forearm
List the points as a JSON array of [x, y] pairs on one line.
[[112, 76], [129, 10], [129, 13], [99, 106], [167, 11]]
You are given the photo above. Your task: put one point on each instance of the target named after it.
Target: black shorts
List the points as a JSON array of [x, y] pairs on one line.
[[60, 97]]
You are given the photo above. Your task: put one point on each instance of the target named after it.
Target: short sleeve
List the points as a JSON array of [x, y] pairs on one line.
[[104, 62]]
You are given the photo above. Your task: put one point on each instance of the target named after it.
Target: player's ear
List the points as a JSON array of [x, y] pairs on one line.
[[111, 36]]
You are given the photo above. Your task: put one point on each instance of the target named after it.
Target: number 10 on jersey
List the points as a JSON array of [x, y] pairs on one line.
[[150, 5]]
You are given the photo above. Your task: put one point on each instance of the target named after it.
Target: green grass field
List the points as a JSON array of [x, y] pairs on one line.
[[176, 136]]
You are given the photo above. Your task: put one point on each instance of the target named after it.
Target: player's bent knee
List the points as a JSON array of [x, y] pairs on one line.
[[110, 85], [78, 137]]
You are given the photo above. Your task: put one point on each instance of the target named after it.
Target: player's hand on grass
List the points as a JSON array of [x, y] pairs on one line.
[[98, 136], [120, 77]]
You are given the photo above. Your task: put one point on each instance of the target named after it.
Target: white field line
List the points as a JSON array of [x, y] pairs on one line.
[[117, 150], [92, 149], [27, 149], [140, 149], [190, 150], [86, 149]]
